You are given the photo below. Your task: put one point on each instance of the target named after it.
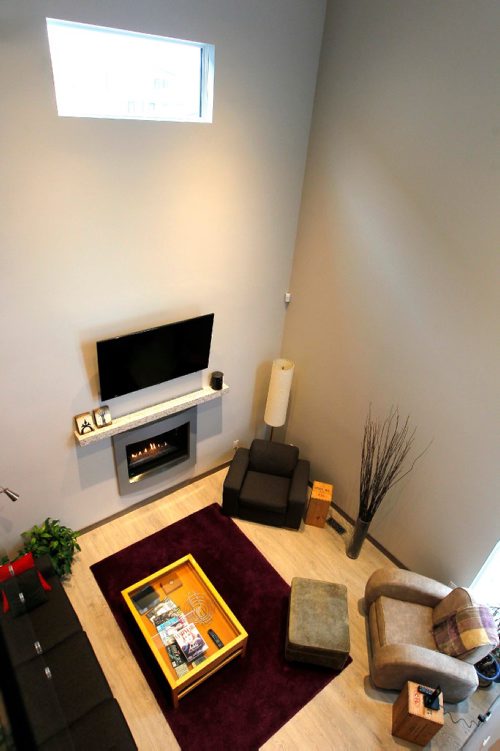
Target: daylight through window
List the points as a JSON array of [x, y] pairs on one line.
[[110, 73], [485, 585]]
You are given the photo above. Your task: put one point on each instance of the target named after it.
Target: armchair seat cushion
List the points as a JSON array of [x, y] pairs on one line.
[[401, 622], [113, 732], [266, 492], [75, 685], [40, 625]]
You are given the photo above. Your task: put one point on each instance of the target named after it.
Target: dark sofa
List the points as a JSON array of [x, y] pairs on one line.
[[54, 689]]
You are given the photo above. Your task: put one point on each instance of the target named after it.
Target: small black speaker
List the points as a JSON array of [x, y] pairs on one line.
[[217, 380]]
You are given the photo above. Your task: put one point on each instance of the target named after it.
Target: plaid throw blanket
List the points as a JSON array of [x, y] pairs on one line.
[[468, 628]]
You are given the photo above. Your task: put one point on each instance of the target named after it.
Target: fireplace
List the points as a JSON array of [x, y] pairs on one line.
[[144, 454]]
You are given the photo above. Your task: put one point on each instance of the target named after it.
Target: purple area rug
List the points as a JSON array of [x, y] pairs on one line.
[[247, 701]]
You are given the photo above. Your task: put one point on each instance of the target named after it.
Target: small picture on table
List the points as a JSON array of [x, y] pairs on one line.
[[84, 423], [102, 416]]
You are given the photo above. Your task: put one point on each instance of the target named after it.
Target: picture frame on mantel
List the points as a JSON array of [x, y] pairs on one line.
[[84, 423], [102, 416]]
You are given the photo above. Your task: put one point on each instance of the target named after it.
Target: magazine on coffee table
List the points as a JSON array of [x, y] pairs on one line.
[[190, 641]]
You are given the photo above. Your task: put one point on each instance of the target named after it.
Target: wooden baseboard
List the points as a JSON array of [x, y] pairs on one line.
[[190, 480]]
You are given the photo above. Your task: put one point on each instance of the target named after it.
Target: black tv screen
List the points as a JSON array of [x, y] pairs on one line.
[[134, 361]]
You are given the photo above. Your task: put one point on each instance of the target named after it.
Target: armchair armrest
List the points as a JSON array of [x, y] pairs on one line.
[[297, 496], [234, 481], [395, 664], [404, 585]]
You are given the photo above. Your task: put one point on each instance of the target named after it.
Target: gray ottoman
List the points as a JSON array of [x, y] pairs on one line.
[[318, 625]]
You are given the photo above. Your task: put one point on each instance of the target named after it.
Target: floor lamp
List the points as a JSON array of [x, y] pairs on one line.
[[278, 394]]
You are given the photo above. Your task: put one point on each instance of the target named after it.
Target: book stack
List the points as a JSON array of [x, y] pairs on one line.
[[190, 642], [184, 643]]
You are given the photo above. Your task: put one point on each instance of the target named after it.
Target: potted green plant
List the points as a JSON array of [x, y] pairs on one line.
[[55, 539]]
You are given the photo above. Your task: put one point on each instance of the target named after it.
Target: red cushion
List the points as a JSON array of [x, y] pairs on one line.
[[15, 568]]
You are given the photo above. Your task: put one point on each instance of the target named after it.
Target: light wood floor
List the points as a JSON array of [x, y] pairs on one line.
[[349, 714]]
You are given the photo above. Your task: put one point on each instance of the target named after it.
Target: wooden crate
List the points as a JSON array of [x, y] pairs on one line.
[[319, 503], [411, 720]]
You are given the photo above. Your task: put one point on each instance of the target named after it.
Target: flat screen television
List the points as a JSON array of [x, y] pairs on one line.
[[144, 358]]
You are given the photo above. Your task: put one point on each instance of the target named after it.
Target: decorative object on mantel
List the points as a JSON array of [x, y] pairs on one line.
[[385, 447], [217, 380], [102, 416], [55, 539], [84, 423], [278, 394]]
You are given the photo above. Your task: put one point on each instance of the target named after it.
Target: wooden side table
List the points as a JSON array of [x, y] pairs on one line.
[[411, 720], [319, 503]]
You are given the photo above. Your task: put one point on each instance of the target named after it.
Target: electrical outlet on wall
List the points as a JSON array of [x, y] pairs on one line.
[[236, 444]]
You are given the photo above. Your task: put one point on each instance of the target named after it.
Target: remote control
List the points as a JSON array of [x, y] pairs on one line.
[[431, 698], [218, 643], [425, 690]]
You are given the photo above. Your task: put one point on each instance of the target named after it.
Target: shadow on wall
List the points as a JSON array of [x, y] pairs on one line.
[[262, 376]]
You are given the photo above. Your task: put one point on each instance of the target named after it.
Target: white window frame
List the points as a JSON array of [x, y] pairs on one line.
[[61, 65], [486, 587]]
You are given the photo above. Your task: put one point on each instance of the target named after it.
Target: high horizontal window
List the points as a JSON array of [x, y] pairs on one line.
[[111, 73]]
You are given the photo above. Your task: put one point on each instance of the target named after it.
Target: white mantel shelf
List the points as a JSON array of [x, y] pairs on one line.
[[150, 414]]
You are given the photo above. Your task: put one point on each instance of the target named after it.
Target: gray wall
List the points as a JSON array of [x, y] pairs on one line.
[[107, 227], [395, 278]]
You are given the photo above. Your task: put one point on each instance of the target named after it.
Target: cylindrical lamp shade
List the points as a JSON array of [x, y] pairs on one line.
[[279, 392]]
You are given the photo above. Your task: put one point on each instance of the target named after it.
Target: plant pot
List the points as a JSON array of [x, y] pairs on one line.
[[488, 670], [359, 534]]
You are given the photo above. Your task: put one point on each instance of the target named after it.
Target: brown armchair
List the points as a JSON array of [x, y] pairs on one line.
[[404, 609]]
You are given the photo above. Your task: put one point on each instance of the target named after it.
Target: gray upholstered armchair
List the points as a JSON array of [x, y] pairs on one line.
[[405, 612], [268, 484]]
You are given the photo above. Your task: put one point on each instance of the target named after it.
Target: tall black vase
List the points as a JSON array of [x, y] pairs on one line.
[[358, 537]]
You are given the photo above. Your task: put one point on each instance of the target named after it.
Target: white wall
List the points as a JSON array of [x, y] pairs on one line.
[[107, 227], [395, 279]]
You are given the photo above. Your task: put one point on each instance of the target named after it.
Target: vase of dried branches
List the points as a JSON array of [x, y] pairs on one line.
[[385, 447], [359, 533]]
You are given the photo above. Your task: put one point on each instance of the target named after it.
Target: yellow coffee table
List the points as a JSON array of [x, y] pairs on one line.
[[184, 584]]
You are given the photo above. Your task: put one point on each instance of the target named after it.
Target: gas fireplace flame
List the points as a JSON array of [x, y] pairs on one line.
[[150, 450]]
